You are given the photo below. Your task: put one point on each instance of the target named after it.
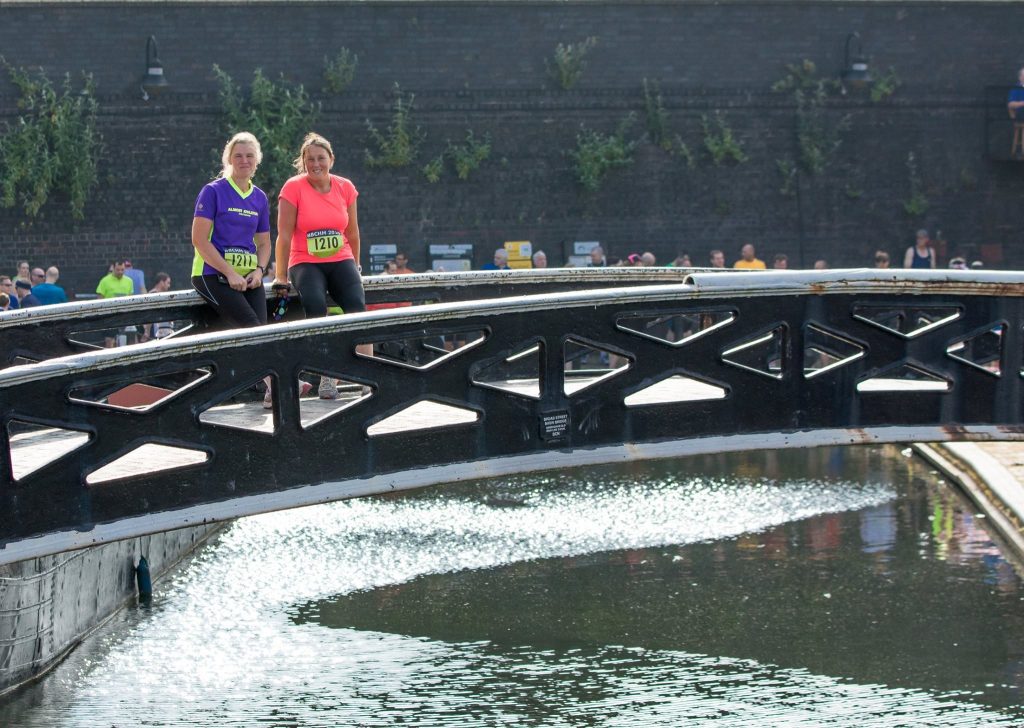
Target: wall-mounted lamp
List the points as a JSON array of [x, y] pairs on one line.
[[153, 82], [855, 73]]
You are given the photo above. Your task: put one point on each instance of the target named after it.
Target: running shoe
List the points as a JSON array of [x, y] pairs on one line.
[[328, 389]]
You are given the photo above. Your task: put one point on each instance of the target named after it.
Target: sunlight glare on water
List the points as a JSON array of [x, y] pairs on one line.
[[221, 646]]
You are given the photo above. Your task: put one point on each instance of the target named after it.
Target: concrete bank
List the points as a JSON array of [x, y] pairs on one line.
[[992, 476], [50, 604]]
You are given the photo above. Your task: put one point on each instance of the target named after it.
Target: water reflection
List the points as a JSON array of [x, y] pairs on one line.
[[830, 587]]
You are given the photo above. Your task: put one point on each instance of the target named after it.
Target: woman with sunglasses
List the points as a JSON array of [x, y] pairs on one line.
[[318, 238]]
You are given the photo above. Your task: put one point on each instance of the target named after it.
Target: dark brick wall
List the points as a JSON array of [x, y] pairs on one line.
[[481, 66]]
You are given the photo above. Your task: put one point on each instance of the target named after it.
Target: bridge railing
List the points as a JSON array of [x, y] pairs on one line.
[[40, 333], [113, 443]]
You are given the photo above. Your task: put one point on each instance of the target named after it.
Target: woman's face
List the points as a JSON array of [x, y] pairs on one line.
[[243, 160], [23, 270], [318, 162]]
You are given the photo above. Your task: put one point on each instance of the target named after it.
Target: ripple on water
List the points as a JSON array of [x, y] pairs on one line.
[[220, 647]]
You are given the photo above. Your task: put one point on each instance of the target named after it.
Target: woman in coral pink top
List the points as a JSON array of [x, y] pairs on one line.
[[318, 236]]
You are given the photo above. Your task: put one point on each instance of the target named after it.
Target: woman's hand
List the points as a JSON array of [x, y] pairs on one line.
[[236, 281], [254, 279]]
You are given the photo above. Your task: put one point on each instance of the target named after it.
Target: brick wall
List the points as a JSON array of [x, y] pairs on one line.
[[481, 66]]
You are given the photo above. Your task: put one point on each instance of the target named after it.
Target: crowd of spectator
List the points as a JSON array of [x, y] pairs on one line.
[[34, 286]]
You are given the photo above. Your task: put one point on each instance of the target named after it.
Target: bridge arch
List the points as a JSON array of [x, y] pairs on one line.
[[493, 386]]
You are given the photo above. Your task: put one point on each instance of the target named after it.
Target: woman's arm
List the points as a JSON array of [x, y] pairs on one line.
[[255, 277], [908, 259], [201, 227], [286, 215], [352, 231]]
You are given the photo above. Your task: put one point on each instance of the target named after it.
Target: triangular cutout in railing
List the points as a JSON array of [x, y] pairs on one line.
[[140, 394], [518, 373], [587, 364], [328, 394], [426, 414], [825, 351], [147, 459], [675, 329], [421, 350], [762, 354], [675, 388], [907, 321], [982, 350], [34, 446], [905, 378], [246, 407]]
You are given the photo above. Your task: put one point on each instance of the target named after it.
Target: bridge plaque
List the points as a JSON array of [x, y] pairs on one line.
[[554, 425]]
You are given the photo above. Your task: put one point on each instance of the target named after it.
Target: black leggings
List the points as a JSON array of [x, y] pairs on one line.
[[239, 308], [341, 280]]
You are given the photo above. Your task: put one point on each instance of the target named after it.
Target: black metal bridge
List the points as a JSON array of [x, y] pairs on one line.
[[499, 373]]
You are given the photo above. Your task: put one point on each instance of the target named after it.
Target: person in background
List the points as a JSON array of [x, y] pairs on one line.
[[7, 286], [500, 261], [138, 277], [597, 259], [716, 258], [1015, 105], [881, 259], [633, 260], [318, 241], [748, 259], [37, 276], [647, 259], [682, 260], [821, 264], [23, 273], [115, 283], [48, 292], [402, 264], [921, 254], [5, 302], [977, 265], [25, 297], [161, 329], [958, 263], [540, 259], [161, 283], [781, 262]]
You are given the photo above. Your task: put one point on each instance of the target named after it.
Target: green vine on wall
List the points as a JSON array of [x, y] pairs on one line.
[[569, 62], [278, 114], [720, 141], [340, 71], [469, 156], [596, 154], [885, 85], [399, 145], [53, 146], [656, 116], [817, 136], [917, 204]]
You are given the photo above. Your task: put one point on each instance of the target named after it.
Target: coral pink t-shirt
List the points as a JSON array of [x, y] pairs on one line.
[[320, 220]]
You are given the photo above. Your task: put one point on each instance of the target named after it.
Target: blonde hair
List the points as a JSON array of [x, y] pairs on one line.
[[312, 140], [242, 137]]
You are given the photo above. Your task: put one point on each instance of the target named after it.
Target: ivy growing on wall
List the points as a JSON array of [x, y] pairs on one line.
[[52, 146], [399, 145], [596, 154], [279, 115], [569, 62], [817, 134]]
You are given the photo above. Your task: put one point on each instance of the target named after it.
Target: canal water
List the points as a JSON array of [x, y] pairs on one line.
[[829, 587]]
